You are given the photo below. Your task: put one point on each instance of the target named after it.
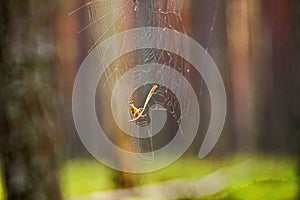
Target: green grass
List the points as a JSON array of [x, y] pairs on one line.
[[260, 189], [1, 188], [277, 177], [80, 177], [277, 180]]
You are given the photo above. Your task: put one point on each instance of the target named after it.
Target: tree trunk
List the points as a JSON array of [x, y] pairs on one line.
[[29, 113], [238, 33], [279, 19]]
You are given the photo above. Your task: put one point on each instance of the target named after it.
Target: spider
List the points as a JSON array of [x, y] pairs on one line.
[[137, 113]]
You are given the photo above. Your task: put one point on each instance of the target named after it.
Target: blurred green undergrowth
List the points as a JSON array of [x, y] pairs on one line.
[[277, 178]]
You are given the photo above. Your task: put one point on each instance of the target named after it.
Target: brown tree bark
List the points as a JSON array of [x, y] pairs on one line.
[[238, 37], [29, 107], [279, 19]]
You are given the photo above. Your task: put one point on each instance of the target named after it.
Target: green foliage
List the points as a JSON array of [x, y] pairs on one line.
[[276, 180], [2, 194], [277, 177], [81, 177], [260, 189]]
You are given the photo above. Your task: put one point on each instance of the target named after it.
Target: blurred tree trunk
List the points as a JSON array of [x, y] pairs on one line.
[[279, 18], [239, 13], [69, 53], [209, 29], [296, 83], [29, 110], [261, 71], [147, 15]]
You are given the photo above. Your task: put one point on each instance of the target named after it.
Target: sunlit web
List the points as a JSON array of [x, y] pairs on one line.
[[109, 17]]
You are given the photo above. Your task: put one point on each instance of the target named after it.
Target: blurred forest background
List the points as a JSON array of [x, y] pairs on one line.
[[255, 44]]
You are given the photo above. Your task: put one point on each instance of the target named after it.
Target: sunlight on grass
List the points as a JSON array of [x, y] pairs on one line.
[[82, 177], [277, 178], [2, 194], [1, 189]]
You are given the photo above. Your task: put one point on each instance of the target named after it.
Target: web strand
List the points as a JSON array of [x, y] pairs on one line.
[[109, 17]]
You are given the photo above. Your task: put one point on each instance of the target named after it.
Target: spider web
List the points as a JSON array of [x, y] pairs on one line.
[[109, 17]]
